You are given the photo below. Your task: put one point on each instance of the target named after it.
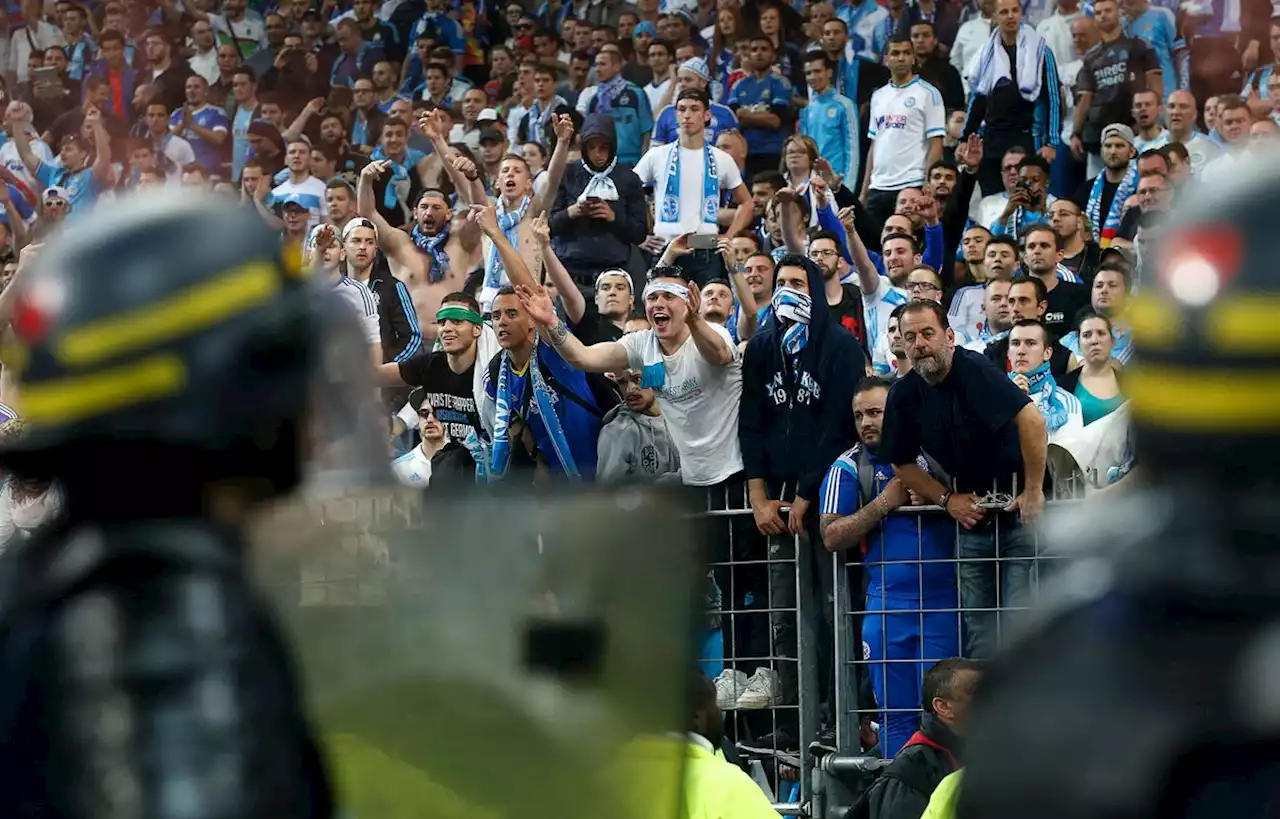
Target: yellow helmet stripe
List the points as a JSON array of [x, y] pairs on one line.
[[67, 400], [1246, 325], [1209, 401], [183, 314]]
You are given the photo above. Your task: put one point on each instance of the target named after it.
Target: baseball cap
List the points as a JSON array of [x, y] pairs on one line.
[[1118, 129], [491, 134], [290, 200], [359, 222], [55, 193], [487, 115]]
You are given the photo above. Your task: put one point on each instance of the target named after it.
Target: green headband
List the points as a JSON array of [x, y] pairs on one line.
[[459, 313]]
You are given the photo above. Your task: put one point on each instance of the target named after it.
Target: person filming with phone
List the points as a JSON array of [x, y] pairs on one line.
[[599, 210], [1027, 202]]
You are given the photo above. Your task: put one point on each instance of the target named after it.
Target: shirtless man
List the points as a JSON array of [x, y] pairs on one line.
[[518, 206]]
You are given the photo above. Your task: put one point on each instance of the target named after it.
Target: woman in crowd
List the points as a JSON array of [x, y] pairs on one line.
[[1097, 383]]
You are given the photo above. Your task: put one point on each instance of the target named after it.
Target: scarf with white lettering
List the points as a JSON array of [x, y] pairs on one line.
[[1043, 391], [546, 400], [710, 187]]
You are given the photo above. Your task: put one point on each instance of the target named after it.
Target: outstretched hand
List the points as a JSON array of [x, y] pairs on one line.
[[538, 303]]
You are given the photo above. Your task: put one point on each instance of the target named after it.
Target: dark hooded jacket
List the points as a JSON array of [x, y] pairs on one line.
[[587, 246], [796, 419]]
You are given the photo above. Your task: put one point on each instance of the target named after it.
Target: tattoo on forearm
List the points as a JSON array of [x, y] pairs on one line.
[[559, 333]]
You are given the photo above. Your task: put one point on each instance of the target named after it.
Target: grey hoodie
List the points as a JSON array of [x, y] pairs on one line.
[[633, 446]]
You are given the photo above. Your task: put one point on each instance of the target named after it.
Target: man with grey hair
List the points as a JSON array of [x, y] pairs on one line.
[[996, 463]]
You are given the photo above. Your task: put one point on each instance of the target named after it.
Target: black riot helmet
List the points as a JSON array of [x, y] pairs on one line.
[[1204, 382], [167, 343]]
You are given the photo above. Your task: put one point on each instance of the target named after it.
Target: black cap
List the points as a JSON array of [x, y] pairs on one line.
[[492, 134], [694, 94]]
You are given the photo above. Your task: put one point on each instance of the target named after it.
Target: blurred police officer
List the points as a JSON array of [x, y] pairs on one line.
[[168, 377], [1150, 690]]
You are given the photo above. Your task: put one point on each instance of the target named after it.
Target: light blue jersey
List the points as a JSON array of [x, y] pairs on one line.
[[832, 120], [1157, 28]]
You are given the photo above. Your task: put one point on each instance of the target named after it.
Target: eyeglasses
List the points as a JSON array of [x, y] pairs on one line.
[[822, 254], [914, 286]]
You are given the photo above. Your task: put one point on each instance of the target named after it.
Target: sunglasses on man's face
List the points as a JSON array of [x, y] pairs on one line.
[[426, 414]]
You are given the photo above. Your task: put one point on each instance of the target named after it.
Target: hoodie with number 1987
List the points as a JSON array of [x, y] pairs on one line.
[[796, 415]]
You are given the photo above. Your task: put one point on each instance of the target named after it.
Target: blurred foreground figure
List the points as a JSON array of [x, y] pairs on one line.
[[172, 364], [1153, 688]]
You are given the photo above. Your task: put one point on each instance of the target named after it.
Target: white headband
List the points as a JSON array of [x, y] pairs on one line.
[[677, 290], [621, 274]]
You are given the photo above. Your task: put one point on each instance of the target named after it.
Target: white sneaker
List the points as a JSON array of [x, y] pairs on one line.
[[729, 686], [763, 690]]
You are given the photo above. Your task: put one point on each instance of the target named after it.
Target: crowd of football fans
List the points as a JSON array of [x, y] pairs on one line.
[[821, 261]]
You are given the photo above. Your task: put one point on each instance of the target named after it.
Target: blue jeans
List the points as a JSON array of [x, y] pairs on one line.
[[997, 570], [903, 634]]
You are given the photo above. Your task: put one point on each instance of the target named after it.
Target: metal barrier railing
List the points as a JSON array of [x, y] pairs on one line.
[[970, 590]]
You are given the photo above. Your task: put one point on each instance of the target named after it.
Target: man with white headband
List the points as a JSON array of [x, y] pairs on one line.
[[693, 73], [602, 319], [692, 365]]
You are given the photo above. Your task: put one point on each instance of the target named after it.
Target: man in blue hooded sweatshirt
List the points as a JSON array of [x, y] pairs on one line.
[[600, 209], [799, 374]]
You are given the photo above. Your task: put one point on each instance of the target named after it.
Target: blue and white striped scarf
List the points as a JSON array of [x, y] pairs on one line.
[[1107, 226], [509, 224], [1043, 391], [546, 401], [710, 187], [793, 309], [434, 247], [398, 185]]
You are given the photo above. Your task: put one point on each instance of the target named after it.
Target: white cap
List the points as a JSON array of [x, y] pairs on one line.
[[487, 115]]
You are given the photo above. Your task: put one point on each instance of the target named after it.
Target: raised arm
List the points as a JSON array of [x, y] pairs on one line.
[[101, 146], [748, 320], [787, 210], [299, 123], [393, 242], [607, 356], [868, 276], [559, 160], [486, 216], [575, 306]]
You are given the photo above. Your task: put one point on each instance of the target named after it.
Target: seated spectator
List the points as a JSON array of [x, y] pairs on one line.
[[599, 210], [857, 496], [934, 752], [997, 318], [1029, 350], [1096, 384], [1028, 301], [1108, 297], [634, 444], [414, 467]]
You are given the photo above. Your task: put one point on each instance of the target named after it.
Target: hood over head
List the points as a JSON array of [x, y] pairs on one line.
[[600, 125]]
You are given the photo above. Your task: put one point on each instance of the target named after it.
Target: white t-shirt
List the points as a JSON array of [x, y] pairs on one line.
[[413, 468], [9, 156], [903, 120], [1201, 150], [365, 304], [309, 192], [700, 403], [656, 93], [1159, 141], [876, 308], [178, 151], [653, 168]]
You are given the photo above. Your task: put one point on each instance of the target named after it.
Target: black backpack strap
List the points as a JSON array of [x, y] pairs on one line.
[[866, 476], [561, 389]]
